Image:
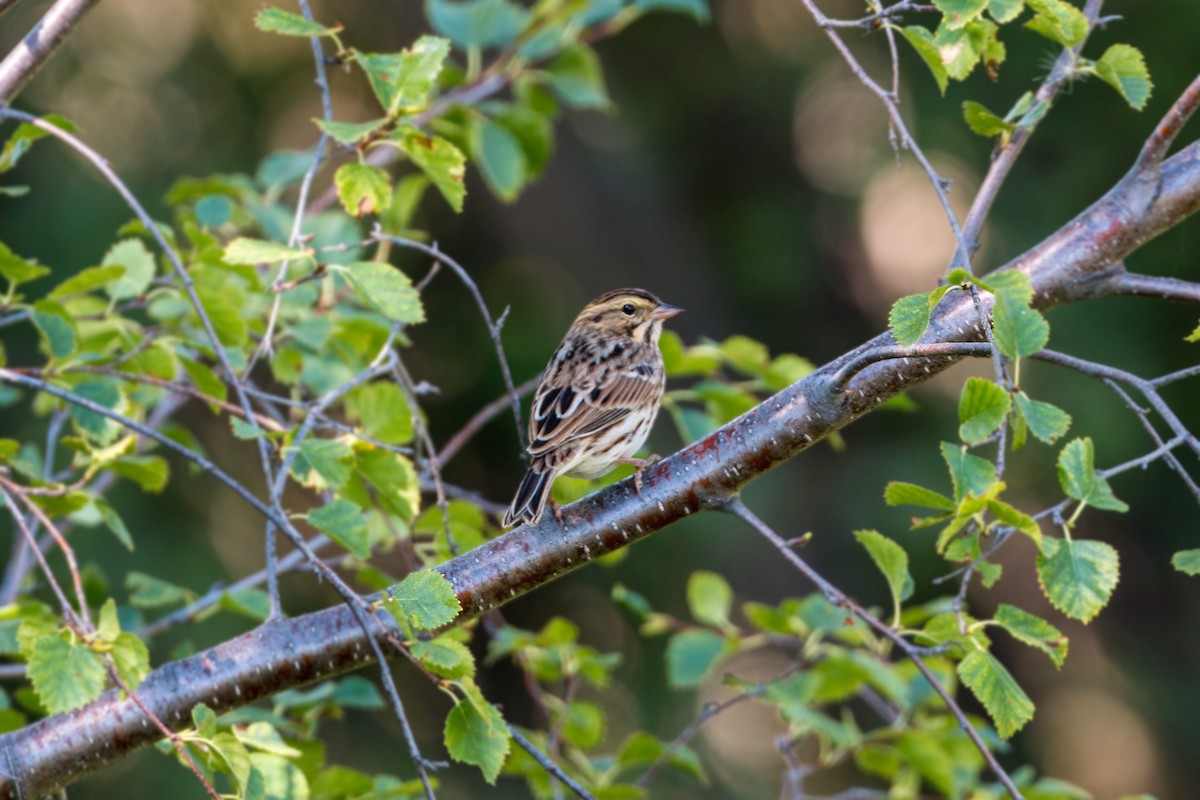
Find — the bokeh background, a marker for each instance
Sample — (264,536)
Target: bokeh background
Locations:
(746,176)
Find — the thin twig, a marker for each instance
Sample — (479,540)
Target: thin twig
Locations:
(481,418)
(33,51)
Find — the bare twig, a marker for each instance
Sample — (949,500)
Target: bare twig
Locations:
(481,418)
(548,764)
(32,52)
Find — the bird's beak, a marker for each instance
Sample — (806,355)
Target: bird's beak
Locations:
(665,311)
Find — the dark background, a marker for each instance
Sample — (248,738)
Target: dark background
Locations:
(746,176)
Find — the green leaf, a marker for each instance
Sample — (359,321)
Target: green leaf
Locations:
(970,474)
(922,41)
(478,23)
(149,472)
(892,561)
(1005,10)
(57,329)
(86,280)
(443,163)
(1017,519)
(349,133)
(690,655)
(363,189)
(985,123)
(1194,336)
(476,733)
(286,23)
(204,379)
(445,657)
(1020,331)
(103,392)
(64,675)
(344,523)
(1058,21)
(697,8)
(281,779)
(214,210)
(1046,421)
(383,411)
(909,316)
(899,493)
(1124,68)
(958,13)
(402,81)
(112,521)
(1006,702)
(329,459)
(146,591)
(395,220)
(709,598)
(385,289)
(426,600)
(17,270)
(259,251)
(132,659)
(1187,562)
(1078,575)
(225,316)
(982,408)
(394,479)
(139,269)
(1079,479)
(245,431)
(1033,631)
(928,755)
(500,158)
(577,78)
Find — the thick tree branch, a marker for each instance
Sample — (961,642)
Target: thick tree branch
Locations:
(286,653)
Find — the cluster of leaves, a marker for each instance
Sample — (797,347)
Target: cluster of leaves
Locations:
(968,36)
(543,53)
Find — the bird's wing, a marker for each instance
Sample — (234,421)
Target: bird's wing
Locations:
(564,411)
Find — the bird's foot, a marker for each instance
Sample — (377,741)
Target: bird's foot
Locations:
(639,465)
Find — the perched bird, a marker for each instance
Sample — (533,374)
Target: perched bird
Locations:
(597,398)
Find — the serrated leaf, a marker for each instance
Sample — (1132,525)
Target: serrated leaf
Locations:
(1187,562)
(287,23)
(131,658)
(898,493)
(982,408)
(425,599)
(892,561)
(17,270)
(329,459)
(1079,479)
(1005,10)
(445,657)
(958,13)
(57,329)
(709,598)
(243,250)
(1020,330)
(970,474)
(922,41)
(362,189)
(985,123)
(139,269)
(86,280)
(1078,575)
(383,411)
(343,522)
(476,733)
(442,162)
(690,655)
(1124,68)
(500,158)
(477,23)
(1033,631)
(1006,702)
(385,289)
(349,133)
(578,79)
(909,318)
(64,675)
(1046,421)
(1058,21)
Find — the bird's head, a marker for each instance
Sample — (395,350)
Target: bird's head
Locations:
(634,313)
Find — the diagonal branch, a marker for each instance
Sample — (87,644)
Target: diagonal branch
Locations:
(54,751)
(20,65)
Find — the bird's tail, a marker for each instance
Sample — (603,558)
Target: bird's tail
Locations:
(531,498)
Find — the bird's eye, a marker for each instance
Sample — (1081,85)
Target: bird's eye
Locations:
(628,309)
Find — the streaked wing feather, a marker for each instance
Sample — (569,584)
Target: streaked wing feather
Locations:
(562,414)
